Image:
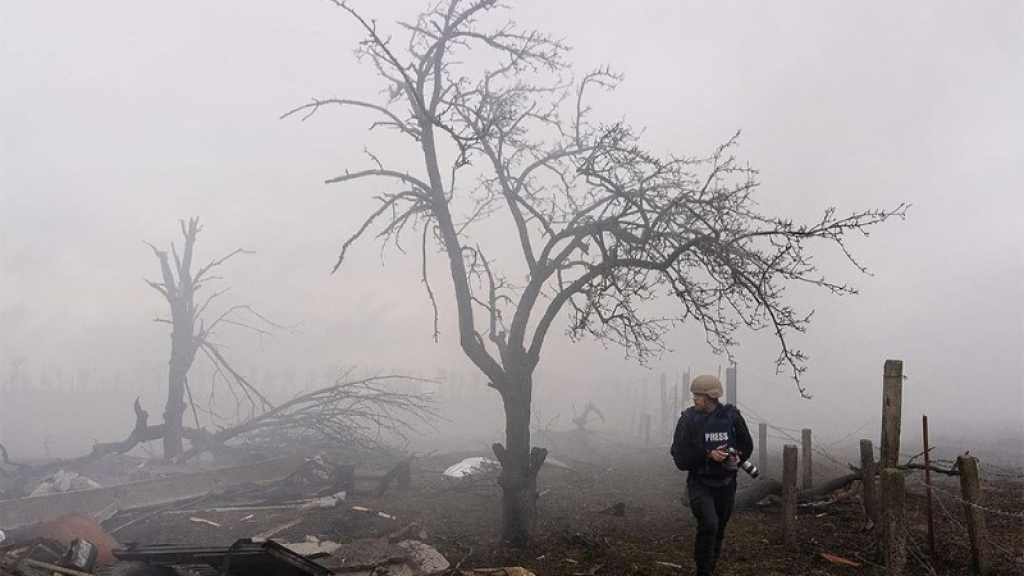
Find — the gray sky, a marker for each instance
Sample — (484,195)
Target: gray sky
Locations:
(117,118)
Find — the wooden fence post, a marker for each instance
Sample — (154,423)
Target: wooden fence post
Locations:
(976,529)
(805,438)
(789,496)
(762,446)
(404,480)
(894,532)
(867,470)
(730,385)
(928,485)
(676,407)
(892,408)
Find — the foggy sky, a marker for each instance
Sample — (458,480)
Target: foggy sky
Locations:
(119,118)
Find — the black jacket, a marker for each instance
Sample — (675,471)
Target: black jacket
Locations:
(697,433)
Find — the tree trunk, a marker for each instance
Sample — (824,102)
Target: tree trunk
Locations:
(183,351)
(174,410)
(519,466)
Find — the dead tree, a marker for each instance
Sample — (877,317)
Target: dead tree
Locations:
(180,286)
(348,417)
(580,420)
(601,225)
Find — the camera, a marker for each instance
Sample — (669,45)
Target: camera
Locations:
(734,457)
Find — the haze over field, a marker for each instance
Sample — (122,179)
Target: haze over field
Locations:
(119,118)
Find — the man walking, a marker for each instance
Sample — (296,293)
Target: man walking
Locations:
(704,434)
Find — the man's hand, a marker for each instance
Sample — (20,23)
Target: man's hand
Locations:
(719,454)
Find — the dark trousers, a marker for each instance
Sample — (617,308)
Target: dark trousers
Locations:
(712,506)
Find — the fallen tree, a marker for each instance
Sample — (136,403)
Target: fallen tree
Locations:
(347,417)
(771,487)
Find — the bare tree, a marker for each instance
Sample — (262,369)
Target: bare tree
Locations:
(180,285)
(602,226)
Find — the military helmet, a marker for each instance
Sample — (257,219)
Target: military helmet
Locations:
(708,385)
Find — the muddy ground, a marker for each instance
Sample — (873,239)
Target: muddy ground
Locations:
(653,536)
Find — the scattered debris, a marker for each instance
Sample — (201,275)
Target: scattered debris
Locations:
(326,502)
(267,534)
(668,565)
(204,521)
(81,555)
(53,567)
(474,466)
(839,560)
(243,558)
(424,559)
(312,547)
(63,481)
(507,571)
(379,556)
(317,476)
(143,494)
(65,530)
(378,513)
(411,531)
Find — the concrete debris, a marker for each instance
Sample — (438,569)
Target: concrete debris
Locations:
(373,556)
(424,559)
(81,555)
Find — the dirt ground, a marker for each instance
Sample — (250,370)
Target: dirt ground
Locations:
(653,536)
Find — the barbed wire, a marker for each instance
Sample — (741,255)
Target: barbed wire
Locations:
(918,553)
(816,446)
(958,498)
(950,517)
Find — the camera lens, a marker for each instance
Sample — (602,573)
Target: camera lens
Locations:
(750,469)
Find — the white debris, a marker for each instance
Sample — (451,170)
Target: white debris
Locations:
(63,481)
(331,501)
(474,466)
(313,546)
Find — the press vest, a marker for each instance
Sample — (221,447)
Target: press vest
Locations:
(714,430)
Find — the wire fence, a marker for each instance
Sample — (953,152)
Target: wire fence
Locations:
(1002,484)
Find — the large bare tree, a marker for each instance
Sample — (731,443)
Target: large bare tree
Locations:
(601,225)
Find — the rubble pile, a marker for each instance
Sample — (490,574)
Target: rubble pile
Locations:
(252,522)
